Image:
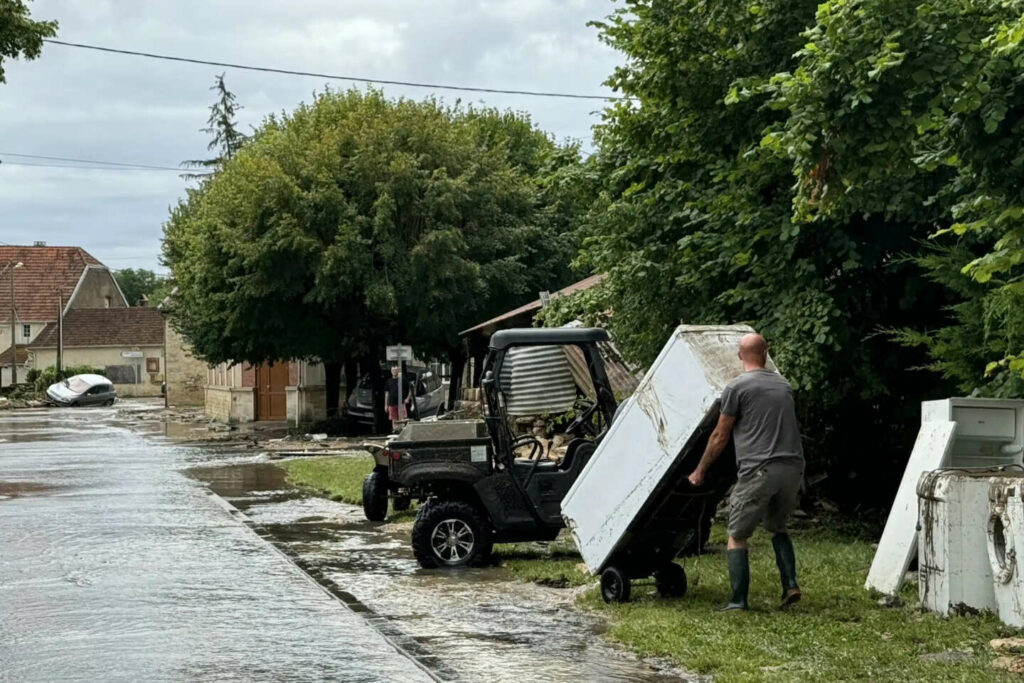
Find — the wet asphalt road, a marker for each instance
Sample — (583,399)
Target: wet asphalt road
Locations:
(115,566)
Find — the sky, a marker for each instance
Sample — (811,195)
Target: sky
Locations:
(83,104)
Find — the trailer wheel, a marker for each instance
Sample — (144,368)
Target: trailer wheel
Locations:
(615,586)
(401,503)
(450,534)
(375,496)
(671,581)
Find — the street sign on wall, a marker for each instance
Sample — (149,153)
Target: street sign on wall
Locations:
(399,352)
(131,354)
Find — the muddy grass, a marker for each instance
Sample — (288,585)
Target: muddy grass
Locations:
(838,632)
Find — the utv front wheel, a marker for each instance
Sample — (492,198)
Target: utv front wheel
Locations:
(451,534)
(375,496)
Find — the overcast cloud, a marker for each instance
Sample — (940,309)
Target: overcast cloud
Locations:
(89,105)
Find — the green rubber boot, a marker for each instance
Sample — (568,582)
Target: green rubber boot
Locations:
(785,558)
(739,577)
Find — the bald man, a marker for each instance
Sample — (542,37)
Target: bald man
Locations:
(758,412)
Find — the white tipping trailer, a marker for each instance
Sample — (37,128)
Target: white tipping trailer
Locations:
(632,508)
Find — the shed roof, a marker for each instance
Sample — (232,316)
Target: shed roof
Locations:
(22,351)
(500,322)
(84,327)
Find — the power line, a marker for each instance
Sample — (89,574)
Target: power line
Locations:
(357,79)
(126,164)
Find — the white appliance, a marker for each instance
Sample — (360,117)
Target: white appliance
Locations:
(953,559)
(648,434)
(955,432)
(1005,539)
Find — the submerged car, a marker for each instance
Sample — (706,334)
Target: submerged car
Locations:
(429,393)
(83,390)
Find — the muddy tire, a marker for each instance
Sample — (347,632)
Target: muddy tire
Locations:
(615,586)
(375,496)
(401,503)
(671,581)
(451,534)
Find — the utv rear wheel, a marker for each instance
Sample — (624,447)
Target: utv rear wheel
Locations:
(451,534)
(375,496)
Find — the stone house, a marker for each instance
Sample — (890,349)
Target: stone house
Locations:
(126,343)
(47,280)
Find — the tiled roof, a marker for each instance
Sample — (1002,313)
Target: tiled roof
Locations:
(136,326)
(586,283)
(5,357)
(43,270)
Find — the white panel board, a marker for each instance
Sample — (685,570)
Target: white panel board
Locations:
(648,434)
(899,539)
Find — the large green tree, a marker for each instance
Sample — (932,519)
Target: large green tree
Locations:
(20,35)
(357,221)
(914,112)
(699,225)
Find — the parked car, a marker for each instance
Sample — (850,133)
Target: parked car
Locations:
(83,390)
(429,392)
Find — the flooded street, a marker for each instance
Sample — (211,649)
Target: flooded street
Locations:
(116,567)
(118,563)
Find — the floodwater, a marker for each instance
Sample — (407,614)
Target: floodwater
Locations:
(114,566)
(117,563)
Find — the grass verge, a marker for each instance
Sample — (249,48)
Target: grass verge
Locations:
(339,478)
(838,632)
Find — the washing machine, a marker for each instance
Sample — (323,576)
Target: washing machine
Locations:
(954,570)
(1005,539)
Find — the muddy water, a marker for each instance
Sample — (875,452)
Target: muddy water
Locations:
(474,624)
(114,566)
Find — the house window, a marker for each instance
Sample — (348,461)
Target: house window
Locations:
(26,331)
(106,300)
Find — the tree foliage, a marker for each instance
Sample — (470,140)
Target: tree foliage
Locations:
(357,221)
(914,111)
(225,138)
(136,283)
(699,223)
(20,35)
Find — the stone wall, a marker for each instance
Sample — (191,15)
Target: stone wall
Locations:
(97,290)
(306,404)
(230,404)
(186,374)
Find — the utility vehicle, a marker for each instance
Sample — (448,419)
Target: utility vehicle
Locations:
(480,484)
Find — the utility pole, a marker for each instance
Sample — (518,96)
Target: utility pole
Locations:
(14,345)
(60,333)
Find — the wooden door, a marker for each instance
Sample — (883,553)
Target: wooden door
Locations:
(271,397)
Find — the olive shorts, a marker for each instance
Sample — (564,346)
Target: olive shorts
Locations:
(765,496)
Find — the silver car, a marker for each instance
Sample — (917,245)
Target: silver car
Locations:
(429,392)
(83,390)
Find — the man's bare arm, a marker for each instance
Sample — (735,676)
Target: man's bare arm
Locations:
(716,444)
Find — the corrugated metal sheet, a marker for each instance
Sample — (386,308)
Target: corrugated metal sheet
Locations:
(622,378)
(537,380)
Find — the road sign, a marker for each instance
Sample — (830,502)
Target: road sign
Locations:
(131,354)
(399,352)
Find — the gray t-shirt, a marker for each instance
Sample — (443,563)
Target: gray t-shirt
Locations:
(766,427)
